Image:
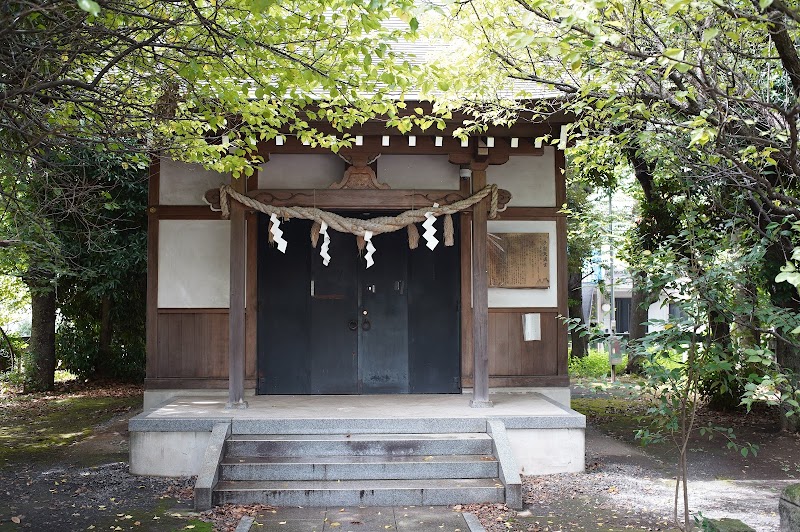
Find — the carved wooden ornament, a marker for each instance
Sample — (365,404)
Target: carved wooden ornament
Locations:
(359,176)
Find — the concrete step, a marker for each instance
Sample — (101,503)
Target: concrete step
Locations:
(240,445)
(360,492)
(358,467)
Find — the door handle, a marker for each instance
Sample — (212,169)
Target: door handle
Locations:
(352,325)
(366,325)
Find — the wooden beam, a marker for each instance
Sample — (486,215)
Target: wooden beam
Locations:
(151,316)
(357,199)
(504,381)
(251,311)
(338,199)
(465,230)
(480,293)
(530,213)
(188,383)
(561,264)
(522,128)
(185,212)
(236,318)
(398,145)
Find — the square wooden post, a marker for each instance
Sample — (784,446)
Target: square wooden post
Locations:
(236,316)
(480,293)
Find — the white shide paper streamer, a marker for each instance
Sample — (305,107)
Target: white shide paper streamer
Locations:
(326,243)
(277,234)
(370,248)
(430,231)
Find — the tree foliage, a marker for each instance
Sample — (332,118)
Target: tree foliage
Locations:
(701,98)
(82,82)
(192,69)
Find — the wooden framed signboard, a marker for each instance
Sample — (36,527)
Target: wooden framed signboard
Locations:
(519,260)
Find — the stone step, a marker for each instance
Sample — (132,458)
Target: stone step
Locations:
(240,445)
(355,425)
(360,492)
(358,467)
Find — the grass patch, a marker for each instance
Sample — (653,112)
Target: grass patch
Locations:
(32,427)
(618,415)
(63,375)
(594,365)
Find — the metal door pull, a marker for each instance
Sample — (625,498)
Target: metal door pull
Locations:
(371,288)
(398,287)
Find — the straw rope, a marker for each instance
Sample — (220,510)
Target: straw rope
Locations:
(356,226)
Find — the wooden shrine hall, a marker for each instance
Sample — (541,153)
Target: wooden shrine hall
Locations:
(419,268)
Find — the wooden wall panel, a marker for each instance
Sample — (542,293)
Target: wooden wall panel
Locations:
(511,359)
(192,345)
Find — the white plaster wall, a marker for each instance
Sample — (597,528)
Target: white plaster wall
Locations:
(424,172)
(288,170)
(530,179)
(184,183)
(194,264)
(167,454)
(527,297)
(548,451)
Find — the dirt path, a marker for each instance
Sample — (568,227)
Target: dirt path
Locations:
(85,485)
(630,487)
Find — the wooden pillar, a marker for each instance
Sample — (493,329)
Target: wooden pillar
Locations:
(236,316)
(480,293)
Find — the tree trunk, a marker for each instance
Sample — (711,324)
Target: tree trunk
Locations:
(720,331)
(40,367)
(641,299)
(579,344)
(727,397)
(103,366)
(746,323)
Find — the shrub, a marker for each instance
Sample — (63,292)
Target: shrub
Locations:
(593,365)
(77,350)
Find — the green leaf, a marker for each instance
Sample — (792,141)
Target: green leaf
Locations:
(413,24)
(90,6)
(676,54)
(674,5)
(709,34)
(261,5)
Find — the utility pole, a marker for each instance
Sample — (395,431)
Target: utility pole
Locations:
(612,338)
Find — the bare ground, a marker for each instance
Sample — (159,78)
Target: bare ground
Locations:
(630,487)
(85,483)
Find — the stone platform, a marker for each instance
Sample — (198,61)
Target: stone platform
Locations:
(544,436)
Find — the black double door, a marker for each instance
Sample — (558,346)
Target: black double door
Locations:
(348,329)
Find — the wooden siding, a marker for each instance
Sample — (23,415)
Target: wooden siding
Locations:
(514,362)
(192,350)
